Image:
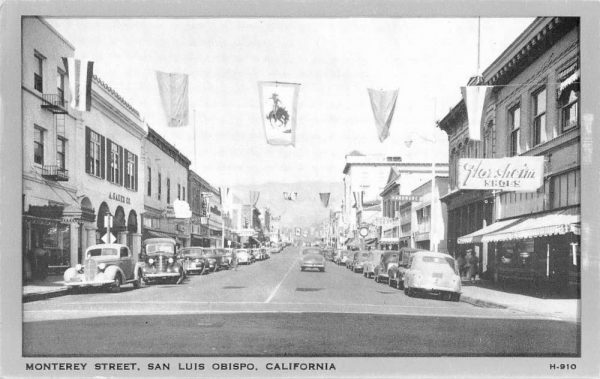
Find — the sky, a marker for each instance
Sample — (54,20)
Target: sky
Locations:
(334,59)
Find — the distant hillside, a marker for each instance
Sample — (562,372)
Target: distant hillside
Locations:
(306,210)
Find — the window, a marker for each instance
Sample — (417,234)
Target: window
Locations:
(149,184)
(489,141)
(38,73)
(60,152)
(569,109)
(514,123)
(183,194)
(130,170)
(124,252)
(114,163)
(168,191)
(159,185)
(38,145)
(95,154)
(60,86)
(178,191)
(564,189)
(539,117)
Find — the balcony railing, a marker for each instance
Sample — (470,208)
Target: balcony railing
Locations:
(56,173)
(54,103)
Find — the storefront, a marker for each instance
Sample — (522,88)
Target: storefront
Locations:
(543,250)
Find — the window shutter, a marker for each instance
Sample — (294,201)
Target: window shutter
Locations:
(108,159)
(87,149)
(126,166)
(135,172)
(121,166)
(103,157)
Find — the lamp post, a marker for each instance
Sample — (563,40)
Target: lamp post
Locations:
(432,230)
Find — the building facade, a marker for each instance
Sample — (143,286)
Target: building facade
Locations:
(207,211)
(166,180)
(74,170)
(429,217)
(533,111)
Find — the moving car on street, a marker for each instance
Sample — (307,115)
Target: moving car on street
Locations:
(359,260)
(160,261)
(106,265)
(312,257)
(432,273)
(396,272)
(387,261)
(193,259)
(372,260)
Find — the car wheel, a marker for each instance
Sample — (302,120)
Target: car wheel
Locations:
(117,284)
(406,292)
(138,282)
(399,284)
(410,292)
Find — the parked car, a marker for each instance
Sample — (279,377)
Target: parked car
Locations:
(432,273)
(228,257)
(396,272)
(193,260)
(337,256)
(264,252)
(372,260)
(160,261)
(105,265)
(222,259)
(387,261)
(359,260)
(243,256)
(254,255)
(312,257)
(346,254)
(329,253)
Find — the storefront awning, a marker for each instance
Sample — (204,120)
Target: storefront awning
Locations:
(371,242)
(559,222)
(389,240)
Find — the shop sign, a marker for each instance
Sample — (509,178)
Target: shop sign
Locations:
(507,174)
(246,233)
(119,198)
(405,198)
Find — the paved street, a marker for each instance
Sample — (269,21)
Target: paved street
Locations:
(272,308)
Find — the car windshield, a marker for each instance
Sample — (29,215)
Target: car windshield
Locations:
(191,252)
(101,252)
(160,248)
(311,251)
(438,260)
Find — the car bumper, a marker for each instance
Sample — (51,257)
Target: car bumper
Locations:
(83,283)
(436,289)
(312,265)
(162,275)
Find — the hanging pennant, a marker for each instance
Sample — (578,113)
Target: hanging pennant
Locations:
(358,199)
(383,104)
(80,73)
(290,196)
(254,195)
(225,198)
(325,198)
(278,105)
(475,98)
(173,89)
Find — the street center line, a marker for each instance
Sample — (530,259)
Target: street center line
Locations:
(279,285)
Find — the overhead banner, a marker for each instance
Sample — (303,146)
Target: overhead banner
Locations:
(278,106)
(290,196)
(173,89)
(325,198)
(475,98)
(80,73)
(254,195)
(523,174)
(383,104)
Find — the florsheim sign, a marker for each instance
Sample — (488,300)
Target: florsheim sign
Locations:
(507,174)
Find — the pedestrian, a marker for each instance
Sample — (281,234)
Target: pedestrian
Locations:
(473,263)
(460,264)
(234,260)
(41,263)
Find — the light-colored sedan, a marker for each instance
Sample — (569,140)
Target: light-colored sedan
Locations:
(243,256)
(433,273)
(312,257)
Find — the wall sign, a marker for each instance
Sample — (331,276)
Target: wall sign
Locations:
(507,174)
(120,198)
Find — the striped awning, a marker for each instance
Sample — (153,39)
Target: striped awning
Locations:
(548,224)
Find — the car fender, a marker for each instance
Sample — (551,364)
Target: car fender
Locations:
(70,273)
(112,270)
(139,266)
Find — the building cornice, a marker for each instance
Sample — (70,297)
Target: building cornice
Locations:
(160,142)
(102,104)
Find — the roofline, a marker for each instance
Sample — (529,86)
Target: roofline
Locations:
(43,21)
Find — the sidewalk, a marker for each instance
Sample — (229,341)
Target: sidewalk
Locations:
(52,286)
(566,309)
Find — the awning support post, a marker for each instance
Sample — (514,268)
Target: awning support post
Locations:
(547,260)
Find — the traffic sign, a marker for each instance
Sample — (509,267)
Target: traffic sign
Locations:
(105,238)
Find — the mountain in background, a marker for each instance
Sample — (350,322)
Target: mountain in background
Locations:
(307,210)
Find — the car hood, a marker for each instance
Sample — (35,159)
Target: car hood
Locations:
(104,259)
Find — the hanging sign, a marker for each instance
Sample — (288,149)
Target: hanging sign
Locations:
(525,174)
(278,104)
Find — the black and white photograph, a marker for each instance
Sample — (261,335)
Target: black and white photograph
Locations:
(221,191)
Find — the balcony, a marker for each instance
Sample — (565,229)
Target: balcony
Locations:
(54,103)
(55,173)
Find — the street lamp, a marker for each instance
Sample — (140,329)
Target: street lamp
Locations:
(432,234)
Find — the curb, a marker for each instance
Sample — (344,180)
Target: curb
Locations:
(481,303)
(35,296)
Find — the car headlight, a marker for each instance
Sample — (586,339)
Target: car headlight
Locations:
(101,266)
(171,260)
(150,261)
(78,267)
